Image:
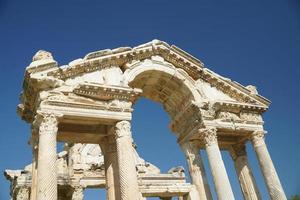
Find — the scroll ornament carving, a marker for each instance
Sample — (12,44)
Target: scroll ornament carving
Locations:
(48,123)
(122,129)
(207,111)
(209,136)
(41,55)
(257,137)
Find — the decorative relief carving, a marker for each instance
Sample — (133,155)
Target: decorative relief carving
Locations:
(41,54)
(251,116)
(228,116)
(209,135)
(257,137)
(77,193)
(23,193)
(207,111)
(238,150)
(48,124)
(122,129)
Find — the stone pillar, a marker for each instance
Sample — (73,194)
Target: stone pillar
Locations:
(222,184)
(196,170)
(127,173)
(46,170)
(109,149)
(34,145)
(77,193)
(268,170)
(244,173)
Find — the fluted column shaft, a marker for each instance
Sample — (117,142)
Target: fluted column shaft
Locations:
(221,181)
(46,170)
(244,173)
(127,173)
(77,193)
(34,145)
(196,170)
(111,168)
(271,178)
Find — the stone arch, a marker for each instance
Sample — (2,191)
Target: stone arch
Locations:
(164,83)
(90,101)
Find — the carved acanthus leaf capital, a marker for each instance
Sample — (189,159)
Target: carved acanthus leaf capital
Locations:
(209,135)
(238,150)
(46,122)
(122,129)
(258,135)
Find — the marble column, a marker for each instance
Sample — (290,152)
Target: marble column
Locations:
(244,173)
(196,170)
(268,170)
(46,170)
(192,195)
(128,182)
(221,181)
(77,193)
(109,150)
(34,146)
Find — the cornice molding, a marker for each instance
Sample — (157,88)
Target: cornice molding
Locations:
(44,74)
(105,92)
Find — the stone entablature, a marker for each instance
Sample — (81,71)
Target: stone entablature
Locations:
(90,100)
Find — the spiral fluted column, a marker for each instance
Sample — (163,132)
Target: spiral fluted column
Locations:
(111,167)
(46,170)
(196,170)
(244,173)
(127,173)
(34,146)
(268,170)
(221,181)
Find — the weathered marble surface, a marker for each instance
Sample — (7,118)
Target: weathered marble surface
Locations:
(89,102)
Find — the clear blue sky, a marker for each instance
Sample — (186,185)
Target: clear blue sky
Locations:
(252,42)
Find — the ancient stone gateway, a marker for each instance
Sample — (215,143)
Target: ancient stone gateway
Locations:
(87,104)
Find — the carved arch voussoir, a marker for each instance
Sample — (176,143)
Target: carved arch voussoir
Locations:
(138,68)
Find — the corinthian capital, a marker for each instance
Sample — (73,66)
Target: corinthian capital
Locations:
(209,135)
(46,122)
(238,150)
(122,129)
(78,193)
(257,137)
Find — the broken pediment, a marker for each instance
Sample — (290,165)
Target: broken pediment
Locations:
(165,73)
